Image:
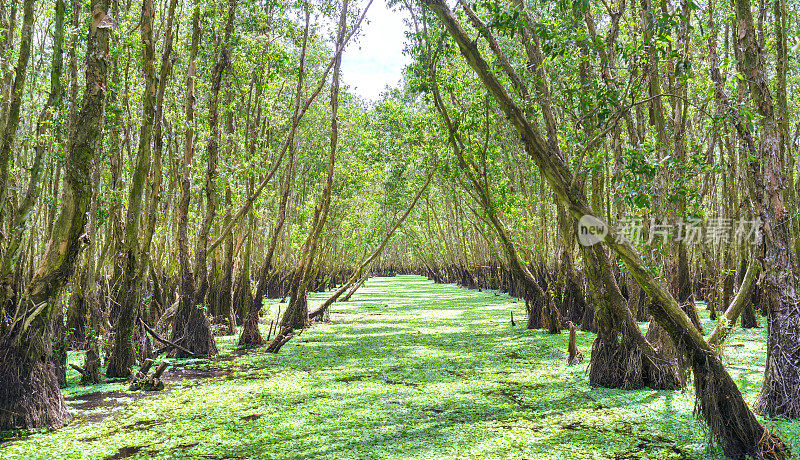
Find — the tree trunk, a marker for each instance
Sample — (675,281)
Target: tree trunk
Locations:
(251,335)
(185,304)
(11,251)
(782,374)
(296,314)
(622,357)
(132,254)
(196,335)
(88,289)
(9,33)
(736,306)
(29,394)
(11,120)
(225,312)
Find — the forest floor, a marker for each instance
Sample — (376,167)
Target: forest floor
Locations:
(406,369)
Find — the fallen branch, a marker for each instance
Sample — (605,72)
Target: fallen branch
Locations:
(160,369)
(152,382)
(148,363)
(167,342)
(285,335)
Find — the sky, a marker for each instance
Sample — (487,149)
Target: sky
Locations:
(376,59)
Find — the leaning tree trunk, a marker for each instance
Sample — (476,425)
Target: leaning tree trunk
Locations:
(29,394)
(251,335)
(534,295)
(296,314)
(736,307)
(299,114)
(621,356)
(360,275)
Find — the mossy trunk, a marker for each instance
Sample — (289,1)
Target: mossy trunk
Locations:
(621,356)
(29,393)
(225,293)
(133,256)
(766,186)
(251,335)
(76,317)
(187,288)
(197,335)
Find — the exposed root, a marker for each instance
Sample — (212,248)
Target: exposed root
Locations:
(251,335)
(29,393)
(616,364)
(145,382)
(771,447)
(730,421)
(197,339)
(669,371)
(623,364)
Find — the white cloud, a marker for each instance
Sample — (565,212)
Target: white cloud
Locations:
(376,59)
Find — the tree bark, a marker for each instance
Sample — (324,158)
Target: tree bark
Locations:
(195,333)
(11,120)
(29,394)
(132,253)
(765,169)
(185,305)
(8,128)
(11,252)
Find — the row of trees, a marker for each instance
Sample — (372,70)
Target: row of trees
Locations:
(633,96)
(182,187)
